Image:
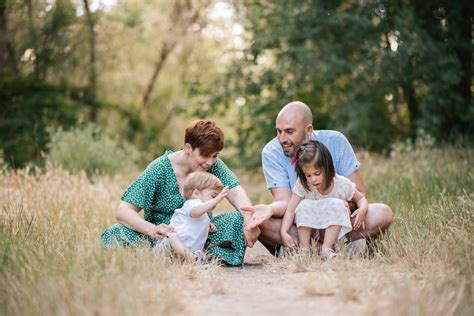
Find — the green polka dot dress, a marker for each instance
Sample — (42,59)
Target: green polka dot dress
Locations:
(156,191)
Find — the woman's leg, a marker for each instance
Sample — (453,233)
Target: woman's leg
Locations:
(120,236)
(229,234)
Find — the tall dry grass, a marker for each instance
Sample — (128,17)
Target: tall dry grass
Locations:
(52,261)
(424,264)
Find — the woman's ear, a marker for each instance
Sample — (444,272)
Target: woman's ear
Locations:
(187,148)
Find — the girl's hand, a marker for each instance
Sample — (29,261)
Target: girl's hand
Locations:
(287,240)
(222,194)
(160,231)
(359,215)
(212,228)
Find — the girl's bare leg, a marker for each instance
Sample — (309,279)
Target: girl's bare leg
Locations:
(304,235)
(330,238)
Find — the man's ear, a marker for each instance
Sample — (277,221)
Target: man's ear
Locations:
(309,130)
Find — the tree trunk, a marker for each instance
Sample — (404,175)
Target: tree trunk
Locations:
(7,54)
(413,107)
(167,48)
(33,36)
(178,18)
(461,33)
(92,63)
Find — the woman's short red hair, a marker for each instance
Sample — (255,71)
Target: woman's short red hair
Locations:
(205,135)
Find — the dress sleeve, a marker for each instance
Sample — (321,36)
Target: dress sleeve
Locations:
(299,190)
(144,189)
(347,188)
(227,177)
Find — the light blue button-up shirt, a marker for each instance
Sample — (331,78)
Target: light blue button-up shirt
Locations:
(280,173)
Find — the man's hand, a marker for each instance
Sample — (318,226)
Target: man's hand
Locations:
(260,213)
(251,236)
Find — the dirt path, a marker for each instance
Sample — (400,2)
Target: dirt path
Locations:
(263,288)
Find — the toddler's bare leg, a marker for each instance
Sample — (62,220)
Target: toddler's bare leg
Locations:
(177,245)
(304,235)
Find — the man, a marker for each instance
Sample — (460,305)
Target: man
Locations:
(294,125)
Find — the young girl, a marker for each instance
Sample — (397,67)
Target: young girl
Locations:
(318,200)
(191,223)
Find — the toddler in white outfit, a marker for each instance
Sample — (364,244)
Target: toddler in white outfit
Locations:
(203,191)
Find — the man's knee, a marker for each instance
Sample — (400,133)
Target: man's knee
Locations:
(270,226)
(385,215)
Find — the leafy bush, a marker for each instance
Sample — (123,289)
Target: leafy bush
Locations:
(27,108)
(90,149)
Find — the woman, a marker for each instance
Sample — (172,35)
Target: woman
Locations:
(159,191)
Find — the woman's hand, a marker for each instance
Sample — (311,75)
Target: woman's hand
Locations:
(287,240)
(160,231)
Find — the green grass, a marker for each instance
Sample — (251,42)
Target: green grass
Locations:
(52,261)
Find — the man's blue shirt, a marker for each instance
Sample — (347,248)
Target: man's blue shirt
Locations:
(280,173)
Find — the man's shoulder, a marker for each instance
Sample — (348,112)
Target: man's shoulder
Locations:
(328,135)
(272,147)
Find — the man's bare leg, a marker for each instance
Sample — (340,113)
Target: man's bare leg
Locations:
(270,236)
(379,217)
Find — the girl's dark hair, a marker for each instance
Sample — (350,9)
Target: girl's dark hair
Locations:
(314,153)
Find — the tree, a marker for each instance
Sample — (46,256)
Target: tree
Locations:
(375,70)
(7,54)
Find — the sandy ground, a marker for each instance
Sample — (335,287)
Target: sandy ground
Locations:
(262,287)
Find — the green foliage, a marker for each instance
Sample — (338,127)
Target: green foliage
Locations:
(89,149)
(375,70)
(27,108)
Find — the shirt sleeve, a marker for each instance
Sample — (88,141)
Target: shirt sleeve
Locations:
(299,190)
(188,205)
(346,163)
(143,190)
(275,174)
(227,177)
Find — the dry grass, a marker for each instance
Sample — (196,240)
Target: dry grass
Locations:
(52,261)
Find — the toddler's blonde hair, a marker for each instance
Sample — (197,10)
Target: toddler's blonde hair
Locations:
(201,180)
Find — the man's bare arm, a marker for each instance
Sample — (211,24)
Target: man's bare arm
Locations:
(281,198)
(277,208)
(356,177)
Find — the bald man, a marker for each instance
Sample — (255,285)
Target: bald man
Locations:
(294,126)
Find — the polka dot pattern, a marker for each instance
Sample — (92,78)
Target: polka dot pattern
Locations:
(156,191)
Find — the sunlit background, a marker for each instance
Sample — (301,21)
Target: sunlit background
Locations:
(138,72)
